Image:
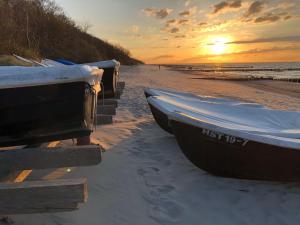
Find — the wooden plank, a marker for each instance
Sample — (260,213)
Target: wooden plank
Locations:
(107,110)
(110,101)
(104,119)
(57,173)
(37,209)
(20,176)
(42,196)
(46,158)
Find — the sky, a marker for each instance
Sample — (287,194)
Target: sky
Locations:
(195,31)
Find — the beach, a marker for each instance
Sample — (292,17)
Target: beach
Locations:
(145,179)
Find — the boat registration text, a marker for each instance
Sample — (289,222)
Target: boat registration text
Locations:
(224,137)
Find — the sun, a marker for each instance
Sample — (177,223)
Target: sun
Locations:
(218,46)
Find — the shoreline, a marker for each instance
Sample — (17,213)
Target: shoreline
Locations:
(284,87)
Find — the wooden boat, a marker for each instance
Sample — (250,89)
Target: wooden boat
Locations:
(232,138)
(41,104)
(161,109)
(109,79)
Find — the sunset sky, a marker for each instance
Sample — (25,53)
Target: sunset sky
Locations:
(195,31)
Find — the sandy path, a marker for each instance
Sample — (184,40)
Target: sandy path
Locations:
(145,179)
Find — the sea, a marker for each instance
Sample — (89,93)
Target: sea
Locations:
(272,71)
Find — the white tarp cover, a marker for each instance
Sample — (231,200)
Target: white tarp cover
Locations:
(49,62)
(17,76)
(192,97)
(100,64)
(232,117)
(106,64)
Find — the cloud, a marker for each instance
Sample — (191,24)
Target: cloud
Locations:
(251,51)
(287,17)
(226,5)
(163,57)
(189,12)
(169,22)
(267,40)
(183,21)
(255,8)
(263,50)
(158,13)
(176,23)
(267,18)
(185,13)
(286,4)
(174,30)
(180,36)
(272,17)
(202,24)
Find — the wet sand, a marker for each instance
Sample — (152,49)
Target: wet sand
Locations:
(280,87)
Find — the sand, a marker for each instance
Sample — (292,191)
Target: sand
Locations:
(145,179)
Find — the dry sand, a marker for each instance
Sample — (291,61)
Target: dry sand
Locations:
(145,179)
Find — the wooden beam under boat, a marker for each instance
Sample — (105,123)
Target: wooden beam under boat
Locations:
(42,196)
(104,119)
(106,110)
(121,84)
(46,158)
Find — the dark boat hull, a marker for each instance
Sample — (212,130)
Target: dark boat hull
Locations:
(228,156)
(109,81)
(161,119)
(30,115)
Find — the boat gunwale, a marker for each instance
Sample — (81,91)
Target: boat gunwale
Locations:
(290,143)
(93,79)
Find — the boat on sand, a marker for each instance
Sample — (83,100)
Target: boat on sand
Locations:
(41,104)
(235,139)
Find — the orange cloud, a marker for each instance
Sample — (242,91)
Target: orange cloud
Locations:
(158,13)
(226,4)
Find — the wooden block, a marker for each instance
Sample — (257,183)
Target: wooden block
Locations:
(111,102)
(106,110)
(118,94)
(121,84)
(121,91)
(42,196)
(46,158)
(104,119)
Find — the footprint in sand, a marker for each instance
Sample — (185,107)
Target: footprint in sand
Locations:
(166,212)
(166,189)
(158,196)
(141,172)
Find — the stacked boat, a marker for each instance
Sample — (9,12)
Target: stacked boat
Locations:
(231,138)
(42,104)
(110,76)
